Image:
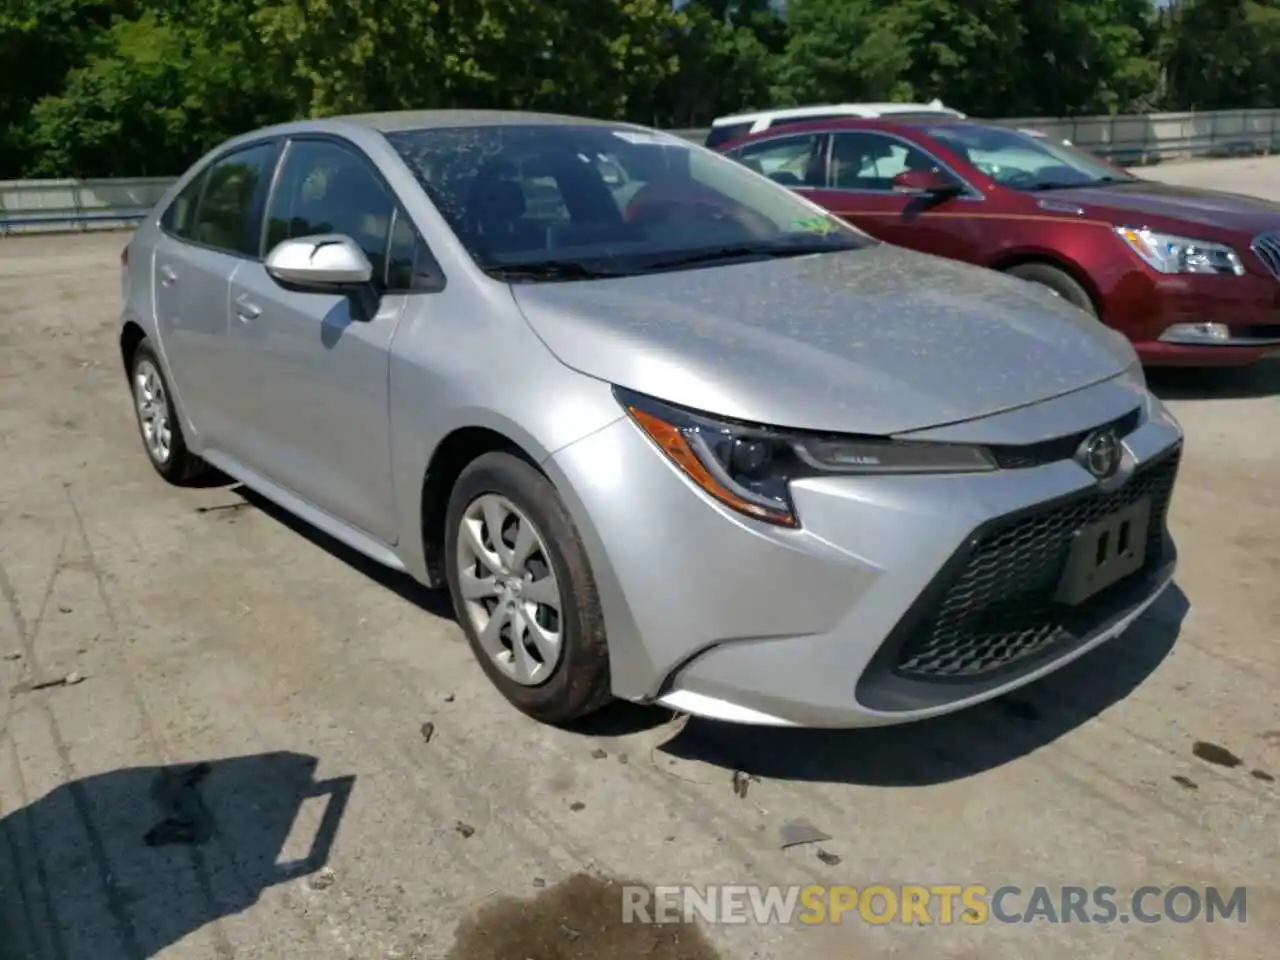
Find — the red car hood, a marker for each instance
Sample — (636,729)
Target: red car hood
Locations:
(1134,204)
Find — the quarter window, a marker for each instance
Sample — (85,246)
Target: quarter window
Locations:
(179,217)
(225,218)
(410,265)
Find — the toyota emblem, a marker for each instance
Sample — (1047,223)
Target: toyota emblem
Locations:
(1100,454)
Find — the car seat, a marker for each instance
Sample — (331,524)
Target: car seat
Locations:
(495,211)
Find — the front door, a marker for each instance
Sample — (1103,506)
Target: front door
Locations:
(859,189)
(312,367)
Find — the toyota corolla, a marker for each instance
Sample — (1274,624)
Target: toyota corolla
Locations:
(664,429)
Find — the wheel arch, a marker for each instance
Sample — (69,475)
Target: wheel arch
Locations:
(450,457)
(1019,258)
(131,335)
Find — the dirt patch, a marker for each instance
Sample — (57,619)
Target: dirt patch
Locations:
(578,919)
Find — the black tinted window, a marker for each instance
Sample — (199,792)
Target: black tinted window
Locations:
(224,219)
(812,118)
(179,216)
(410,266)
(725,133)
(328,188)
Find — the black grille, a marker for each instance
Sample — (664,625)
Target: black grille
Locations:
(1267,247)
(999,608)
(1059,448)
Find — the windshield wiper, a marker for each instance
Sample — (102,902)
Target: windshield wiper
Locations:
(1044,185)
(551,270)
(739,252)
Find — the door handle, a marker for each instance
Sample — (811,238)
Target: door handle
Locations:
(167,275)
(246,309)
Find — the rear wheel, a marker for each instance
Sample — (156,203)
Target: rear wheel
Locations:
(523,591)
(158,421)
(1058,281)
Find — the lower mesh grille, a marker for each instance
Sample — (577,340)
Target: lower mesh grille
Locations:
(998,608)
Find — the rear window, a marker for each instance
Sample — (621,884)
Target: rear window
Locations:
(812,118)
(725,133)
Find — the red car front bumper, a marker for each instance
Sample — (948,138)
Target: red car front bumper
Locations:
(1197,320)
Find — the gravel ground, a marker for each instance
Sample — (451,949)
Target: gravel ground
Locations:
(357,789)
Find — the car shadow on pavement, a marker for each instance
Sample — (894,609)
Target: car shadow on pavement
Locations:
(1216,383)
(434,602)
(121,865)
(955,746)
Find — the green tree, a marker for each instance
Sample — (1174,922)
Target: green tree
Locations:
(727,54)
(1095,57)
(1223,54)
(959,51)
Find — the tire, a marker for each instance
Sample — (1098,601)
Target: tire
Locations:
(1058,281)
(577,682)
(173,461)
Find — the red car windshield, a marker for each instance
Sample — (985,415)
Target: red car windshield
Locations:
(1023,162)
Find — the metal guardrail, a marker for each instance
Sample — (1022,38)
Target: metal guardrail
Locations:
(28,206)
(41,206)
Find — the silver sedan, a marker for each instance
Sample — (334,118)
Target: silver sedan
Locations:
(665,430)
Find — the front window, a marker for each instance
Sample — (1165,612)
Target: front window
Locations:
(1014,159)
(576,201)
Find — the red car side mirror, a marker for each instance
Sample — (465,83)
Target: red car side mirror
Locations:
(926,182)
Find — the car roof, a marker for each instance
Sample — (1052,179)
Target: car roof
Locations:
(394,121)
(868,110)
(887,124)
(405,120)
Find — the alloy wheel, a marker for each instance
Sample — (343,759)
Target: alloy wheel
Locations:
(153,411)
(509,589)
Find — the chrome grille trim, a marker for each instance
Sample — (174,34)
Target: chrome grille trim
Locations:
(1266,246)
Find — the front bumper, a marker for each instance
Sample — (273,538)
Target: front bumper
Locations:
(711,613)
(1201,320)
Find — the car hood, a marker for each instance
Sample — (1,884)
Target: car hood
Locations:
(874,341)
(1222,212)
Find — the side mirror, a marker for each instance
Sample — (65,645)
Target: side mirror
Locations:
(929,182)
(328,260)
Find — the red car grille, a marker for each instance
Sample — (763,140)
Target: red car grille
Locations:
(1267,247)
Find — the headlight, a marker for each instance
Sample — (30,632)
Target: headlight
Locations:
(1172,254)
(750,468)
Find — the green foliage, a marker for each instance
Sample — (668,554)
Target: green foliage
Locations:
(116,87)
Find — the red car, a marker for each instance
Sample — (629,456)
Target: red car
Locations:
(1191,276)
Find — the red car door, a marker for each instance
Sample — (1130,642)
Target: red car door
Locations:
(859,188)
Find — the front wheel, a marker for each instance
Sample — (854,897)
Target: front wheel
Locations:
(523,590)
(1059,282)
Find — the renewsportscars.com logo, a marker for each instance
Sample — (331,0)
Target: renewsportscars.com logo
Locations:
(942,904)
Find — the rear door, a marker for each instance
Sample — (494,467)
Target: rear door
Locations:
(859,189)
(312,367)
(204,235)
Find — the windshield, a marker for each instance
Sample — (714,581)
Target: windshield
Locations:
(594,200)
(1015,159)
